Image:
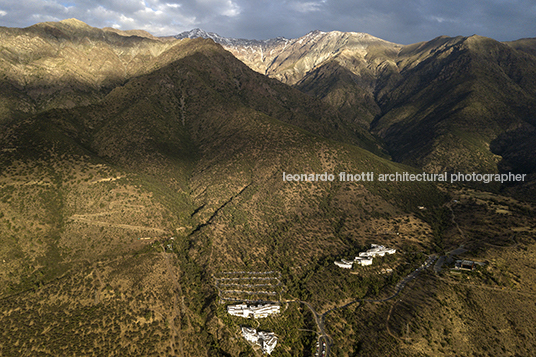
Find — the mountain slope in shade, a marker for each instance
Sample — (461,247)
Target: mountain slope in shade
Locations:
(66,64)
(342,68)
(342,88)
(454,97)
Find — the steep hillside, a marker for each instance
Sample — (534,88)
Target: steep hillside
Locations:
(447,104)
(455,96)
(345,90)
(118,213)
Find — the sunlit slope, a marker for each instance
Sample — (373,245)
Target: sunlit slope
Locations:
(170,153)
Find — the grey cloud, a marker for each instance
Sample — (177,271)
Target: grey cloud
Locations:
(403,22)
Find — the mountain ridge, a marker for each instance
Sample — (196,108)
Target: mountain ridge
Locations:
(142,191)
(262,55)
(431,102)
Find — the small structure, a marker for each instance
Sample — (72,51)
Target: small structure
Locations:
(266,340)
(465,265)
(259,311)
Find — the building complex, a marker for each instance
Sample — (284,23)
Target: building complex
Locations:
(365,258)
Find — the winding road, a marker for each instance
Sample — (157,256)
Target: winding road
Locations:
(324,340)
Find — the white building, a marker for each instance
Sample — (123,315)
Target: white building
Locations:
(239,310)
(250,334)
(344,265)
(260,311)
(266,340)
(377,251)
(363,260)
(265,310)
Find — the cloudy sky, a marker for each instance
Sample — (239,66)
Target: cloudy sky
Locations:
(403,22)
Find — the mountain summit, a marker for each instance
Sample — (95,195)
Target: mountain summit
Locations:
(225,41)
(288,60)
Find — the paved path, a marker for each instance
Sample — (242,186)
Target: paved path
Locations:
(324,340)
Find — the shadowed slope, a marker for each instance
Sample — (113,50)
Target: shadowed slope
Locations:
(456,96)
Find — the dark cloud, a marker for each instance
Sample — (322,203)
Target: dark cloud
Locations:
(403,22)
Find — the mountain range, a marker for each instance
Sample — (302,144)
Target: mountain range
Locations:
(449,104)
(137,173)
